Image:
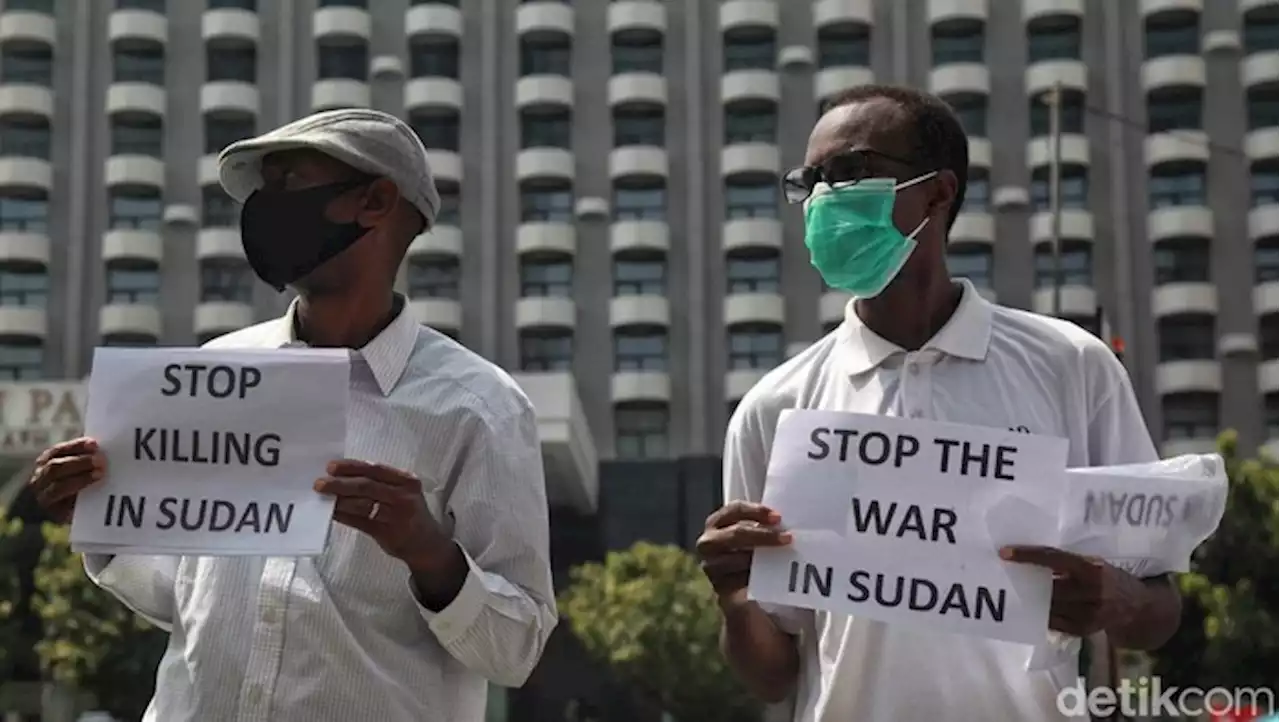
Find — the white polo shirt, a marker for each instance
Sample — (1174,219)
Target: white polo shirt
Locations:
(989,366)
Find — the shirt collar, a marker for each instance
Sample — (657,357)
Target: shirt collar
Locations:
(966,334)
(387,354)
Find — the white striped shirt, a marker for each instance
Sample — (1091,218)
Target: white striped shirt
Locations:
(341,636)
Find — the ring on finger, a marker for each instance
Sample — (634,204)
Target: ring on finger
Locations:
(373,510)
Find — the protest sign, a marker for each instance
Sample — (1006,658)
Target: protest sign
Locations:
(901,521)
(212,452)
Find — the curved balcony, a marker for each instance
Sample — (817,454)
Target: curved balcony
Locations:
(1077,301)
(341,22)
(1176,377)
(1039,78)
(26,173)
(24,322)
(639,310)
(433,20)
(433,93)
(131,26)
(544,19)
(1172,299)
(754,308)
(638,160)
(638,89)
(1248,6)
(544,163)
(34,100)
(546,237)
(134,170)
(1074,224)
(637,15)
(1074,150)
(207,170)
(1262,144)
(129,319)
(446,165)
(545,312)
(945,10)
(442,240)
(828,82)
(739,85)
(135,99)
(1266,298)
(1181,145)
(960,79)
(333,93)
(639,235)
(971,227)
(832,305)
(1260,69)
(229,97)
(24,247)
(1264,222)
(843,12)
(739,381)
(1173,71)
(1179,222)
(1036,9)
(1179,447)
(738,14)
(534,90)
(443,314)
(797,348)
(979,153)
(130,244)
(1160,7)
(750,158)
(741,233)
(219,317)
(218,243)
(639,386)
(1269,377)
(23,29)
(230,26)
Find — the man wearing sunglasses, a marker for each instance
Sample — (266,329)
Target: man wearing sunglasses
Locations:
(883,181)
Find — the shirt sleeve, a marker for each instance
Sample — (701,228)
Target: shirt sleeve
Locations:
(746,461)
(498,624)
(144,584)
(1117,432)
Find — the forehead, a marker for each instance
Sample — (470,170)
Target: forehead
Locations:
(302,160)
(873,124)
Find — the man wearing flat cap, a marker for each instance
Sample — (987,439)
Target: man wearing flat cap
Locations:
(436,578)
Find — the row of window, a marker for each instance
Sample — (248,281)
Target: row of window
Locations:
(130,282)
(757,347)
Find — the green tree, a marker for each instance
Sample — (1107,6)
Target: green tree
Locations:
(650,613)
(1228,631)
(10,590)
(91,640)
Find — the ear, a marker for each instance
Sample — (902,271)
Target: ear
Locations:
(944,192)
(381,199)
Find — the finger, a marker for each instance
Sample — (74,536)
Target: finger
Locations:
(378,472)
(74,447)
(65,467)
(742,537)
(1048,557)
(736,511)
(357,486)
(727,564)
(52,492)
(356,506)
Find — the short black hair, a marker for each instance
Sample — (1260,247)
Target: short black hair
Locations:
(938,140)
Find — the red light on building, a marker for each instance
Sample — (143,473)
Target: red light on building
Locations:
(1117,345)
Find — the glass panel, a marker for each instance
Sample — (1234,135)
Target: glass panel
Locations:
(21,362)
(640,350)
(757,273)
(977,191)
(30,66)
(226,280)
(1181,261)
(848,46)
(24,138)
(1054,38)
(749,54)
(751,200)
(133,285)
(139,65)
(437,132)
(1182,38)
(434,277)
(634,204)
(639,277)
(1265,259)
(1190,416)
(449,204)
(137,137)
(544,58)
(640,56)
(755,347)
(218,210)
(641,432)
(240,64)
(647,127)
(30,214)
(756,126)
(957,43)
(337,62)
(1075,264)
(24,287)
(1185,338)
(547,204)
(1170,111)
(543,351)
(975,264)
(141,211)
(546,278)
(433,59)
(546,130)
(1176,188)
(222,132)
(1263,186)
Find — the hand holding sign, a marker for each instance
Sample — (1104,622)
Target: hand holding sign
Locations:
(732,534)
(1089,595)
(62,471)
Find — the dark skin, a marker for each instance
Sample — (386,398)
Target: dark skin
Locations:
(345,303)
(1089,595)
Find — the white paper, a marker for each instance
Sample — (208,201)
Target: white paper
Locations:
(1007,493)
(212,448)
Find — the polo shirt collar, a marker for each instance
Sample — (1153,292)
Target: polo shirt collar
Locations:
(966,334)
(387,354)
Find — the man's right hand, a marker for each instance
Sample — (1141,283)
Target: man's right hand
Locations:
(62,471)
(731,536)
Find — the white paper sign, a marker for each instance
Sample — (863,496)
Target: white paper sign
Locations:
(212,452)
(901,521)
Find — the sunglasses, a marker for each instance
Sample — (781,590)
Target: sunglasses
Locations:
(848,168)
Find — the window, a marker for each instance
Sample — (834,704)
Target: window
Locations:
(449,205)
(1073,187)
(640,349)
(641,431)
(1075,264)
(1176,184)
(228,280)
(1265,258)
(34,6)
(135,208)
(1174,109)
(971,109)
(21,361)
(545,57)
(639,126)
(450,3)
(639,275)
(1190,416)
(1267,341)
(133,283)
(749,52)
(233,4)
(1263,182)
(971,261)
(26,212)
(750,199)
(238,64)
(437,131)
(142,64)
(1271,415)
(637,52)
(1173,34)
(26,137)
(546,350)
(24,285)
(1186,337)
(1071,117)
(977,192)
(1261,109)
(755,346)
(546,276)
(134,135)
(633,201)
(841,46)
(959,41)
(437,58)
(342,61)
(434,276)
(546,129)
(31,66)
(217,209)
(1055,37)
(1181,260)
(750,124)
(1260,31)
(220,131)
(130,340)
(553,204)
(155,6)
(343,3)
(755,271)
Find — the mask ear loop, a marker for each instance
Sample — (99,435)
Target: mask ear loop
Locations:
(918,179)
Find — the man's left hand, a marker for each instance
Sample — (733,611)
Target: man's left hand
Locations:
(1089,594)
(388,505)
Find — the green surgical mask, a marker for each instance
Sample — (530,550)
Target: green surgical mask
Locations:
(851,236)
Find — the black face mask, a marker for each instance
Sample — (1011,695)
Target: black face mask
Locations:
(286,235)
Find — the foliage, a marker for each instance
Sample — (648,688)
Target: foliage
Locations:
(90,639)
(10,590)
(651,614)
(1228,631)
